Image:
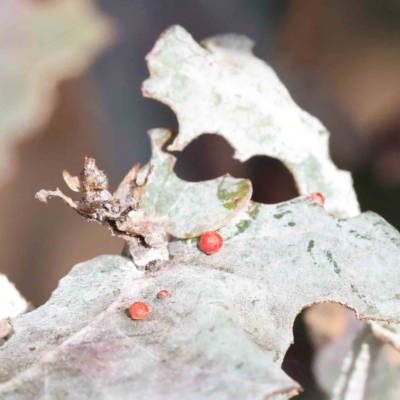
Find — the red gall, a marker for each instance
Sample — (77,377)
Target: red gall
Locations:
(138,310)
(211,242)
(162,294)
(317,198)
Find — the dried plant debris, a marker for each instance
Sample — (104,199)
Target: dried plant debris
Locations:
(222,88)
(146,215)
(41,43)
(191,346)
(11,305)
(98,204)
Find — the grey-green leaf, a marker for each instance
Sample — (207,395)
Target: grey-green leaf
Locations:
(83,345)
(281,258)
(189,209)
(224,89)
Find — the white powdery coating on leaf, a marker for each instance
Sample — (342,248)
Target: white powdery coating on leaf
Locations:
(224,89)
(188,209)
(227,323)
(282,258)
(11,302)
(85,345)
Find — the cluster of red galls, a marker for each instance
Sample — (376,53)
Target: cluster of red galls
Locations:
(139,310)
(209,243)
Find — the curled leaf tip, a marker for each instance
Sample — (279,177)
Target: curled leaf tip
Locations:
(73,182)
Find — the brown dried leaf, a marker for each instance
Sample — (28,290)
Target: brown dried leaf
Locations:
(97,203)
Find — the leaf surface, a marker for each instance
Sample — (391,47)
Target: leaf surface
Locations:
(190,208)
(227,324)
(224,89)
(82,344)
(282,258)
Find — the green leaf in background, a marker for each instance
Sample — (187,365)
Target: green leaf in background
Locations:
(42,43)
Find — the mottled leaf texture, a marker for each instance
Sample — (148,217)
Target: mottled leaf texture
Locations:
(222,88)
(190,209)
(146,213)
(227,324)
(11,305)
(82,344)
(292,255)
(363,369)
(41,43)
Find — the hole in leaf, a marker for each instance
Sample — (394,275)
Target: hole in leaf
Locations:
(318,331)
(211,156)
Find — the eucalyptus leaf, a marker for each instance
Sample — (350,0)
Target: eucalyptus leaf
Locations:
(389,333)
(11,301)
(227,324)
(189,208)
(282,258)
(83,345)
(224,89)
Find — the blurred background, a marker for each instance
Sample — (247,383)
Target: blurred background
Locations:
(339,59)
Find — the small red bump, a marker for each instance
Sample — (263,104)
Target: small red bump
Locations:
(211,242)
(138,310)
(162,294)
(317,198)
